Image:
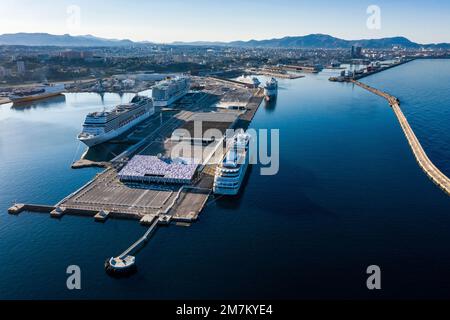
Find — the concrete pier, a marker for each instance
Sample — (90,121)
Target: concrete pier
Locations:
(276,73)
(106,196)
(252,107)
(148,219)
(83,163)
(422,159)
(140,241)
(20,207)
(102,216)
(359,77)
(4,101)
(234,82)
(58,212)
(16,208)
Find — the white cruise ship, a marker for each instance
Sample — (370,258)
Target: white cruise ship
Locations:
(170,90)
(254,82)
(231,172)
(271,89)
(41,92)
(106,125)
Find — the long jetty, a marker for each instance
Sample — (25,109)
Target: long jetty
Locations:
(141,240)
(424,162)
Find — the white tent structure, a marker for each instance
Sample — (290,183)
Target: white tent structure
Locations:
(148,169)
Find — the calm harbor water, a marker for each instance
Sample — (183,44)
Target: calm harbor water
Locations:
(349,194)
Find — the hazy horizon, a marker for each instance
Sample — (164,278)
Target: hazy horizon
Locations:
(201,20)
(218,41)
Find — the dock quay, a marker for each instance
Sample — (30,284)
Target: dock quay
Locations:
(21,207)
(424,162)
(105,192)
(58,212)
(84,163)
(239,83)
(4,100)
(361,76)
(365,73)
(102,216)
(108,196)
(148,219)
(125,263)
(276,73)
(141,240)
(252,108)
(16,208)
(301,69)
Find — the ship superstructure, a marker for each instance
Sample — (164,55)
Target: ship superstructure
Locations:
(231,172)
(36,93)
(271,89)
(105,125)
(168,91)
(252,81)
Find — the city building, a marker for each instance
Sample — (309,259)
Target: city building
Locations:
(72,54)
(356,52)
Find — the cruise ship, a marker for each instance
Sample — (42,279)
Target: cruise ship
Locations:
(106,125)
(271,89)
(36,93)
(231,172)
(170,90)
(254,82)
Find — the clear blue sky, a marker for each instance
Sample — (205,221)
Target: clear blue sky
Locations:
(227,20)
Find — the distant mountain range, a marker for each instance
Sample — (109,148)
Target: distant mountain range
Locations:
(323,41)
(45,39)
(312,41)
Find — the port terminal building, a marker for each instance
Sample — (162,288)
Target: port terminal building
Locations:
(152,169)
(195,129)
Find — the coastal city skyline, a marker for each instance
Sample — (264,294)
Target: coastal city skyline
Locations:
(160,21)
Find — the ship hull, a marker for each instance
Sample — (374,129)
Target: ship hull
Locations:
(231,191)
(46,91)
(270,94)
(34,98)
(96,140)
(225,191)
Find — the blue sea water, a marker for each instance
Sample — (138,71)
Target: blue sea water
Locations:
(423,89)
(349,194)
